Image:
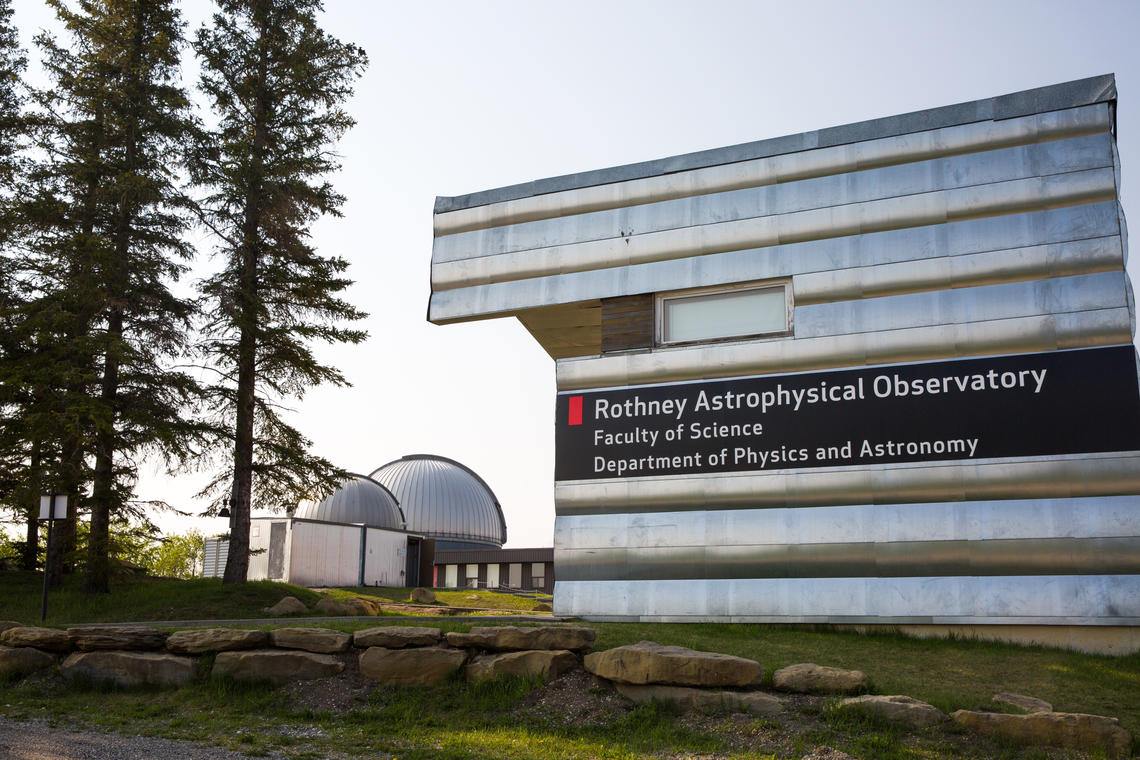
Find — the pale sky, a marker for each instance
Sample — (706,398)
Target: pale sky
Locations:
(464,96)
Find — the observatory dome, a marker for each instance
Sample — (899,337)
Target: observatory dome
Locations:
(359,499)
(444,500)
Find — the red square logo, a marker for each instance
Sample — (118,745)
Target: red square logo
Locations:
(575,410)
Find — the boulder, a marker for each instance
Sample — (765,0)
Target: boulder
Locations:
(16,662)
(703,700)
(6,624)
(421,666)
(51,639)
(508,637)
(423,596)
(809,678)
(202,640)
(536,663)
(319,640)
(396,637)
(290,605)
(897,710)
(116,637)
(1020,701)
(331,607)
(1068,730)
(275,665)
(361,606)
(650,662)
(130,668)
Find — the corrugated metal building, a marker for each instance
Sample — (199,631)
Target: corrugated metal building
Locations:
(918,330)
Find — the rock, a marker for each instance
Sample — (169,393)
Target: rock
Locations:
(275,665)
(809,678)
(827,753)
(16,662)
(130,668)
(1067,730)
(542,607)
(331,607)
(411,667)
(320,640)
(116,637)
(396,637)
(509,637)
(423,596)
(290,605)
(202,640)
(898,710)
(703,700)
(1029,704)
(361,606)
(6,624)
(536,663)
(51,639)
(650,662)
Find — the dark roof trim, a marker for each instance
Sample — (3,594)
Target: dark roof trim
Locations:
(483,556)
(1080,92)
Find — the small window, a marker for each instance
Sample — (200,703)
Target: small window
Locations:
(722,313)
(538,575)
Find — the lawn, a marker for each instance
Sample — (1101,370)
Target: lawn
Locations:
(142,599)
(459,720)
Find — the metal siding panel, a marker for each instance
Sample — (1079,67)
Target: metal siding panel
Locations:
(936,207)
(1069,155)
(1017,600)
(1079,475)
(1004,336)
(801,164)
(1007,233)
(1105,290)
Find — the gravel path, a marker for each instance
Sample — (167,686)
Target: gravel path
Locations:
(36,740)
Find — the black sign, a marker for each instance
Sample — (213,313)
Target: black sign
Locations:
(1054,403)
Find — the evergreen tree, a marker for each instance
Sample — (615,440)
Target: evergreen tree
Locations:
(16,457)
(276,82)
(109,219)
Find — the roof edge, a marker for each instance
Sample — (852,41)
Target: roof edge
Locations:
(1055,97)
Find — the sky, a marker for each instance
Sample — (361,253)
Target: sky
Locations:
(468,96)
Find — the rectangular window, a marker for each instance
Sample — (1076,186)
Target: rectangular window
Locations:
(514,575)
(492,576)
(538,575)
(451,576)
(472,575)
(724,313)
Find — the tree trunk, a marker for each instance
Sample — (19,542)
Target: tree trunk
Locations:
(32,541)
(237,562)
(98,577)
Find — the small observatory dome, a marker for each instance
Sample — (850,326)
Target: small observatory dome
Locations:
(444,500)
(359,499)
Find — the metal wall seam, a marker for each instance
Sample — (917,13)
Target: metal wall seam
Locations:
(1072,225)
(1025,600)
(964,480)
(936,207)
(956,172)
(1087,517)
(1083,329)
(787,167)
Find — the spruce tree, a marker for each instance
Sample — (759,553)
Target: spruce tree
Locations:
(110,219)
(277,83)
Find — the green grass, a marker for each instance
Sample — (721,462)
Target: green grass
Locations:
(489,600)
(140,599)
(458,720)
(144,599)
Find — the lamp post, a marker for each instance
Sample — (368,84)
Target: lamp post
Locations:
(53,507)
